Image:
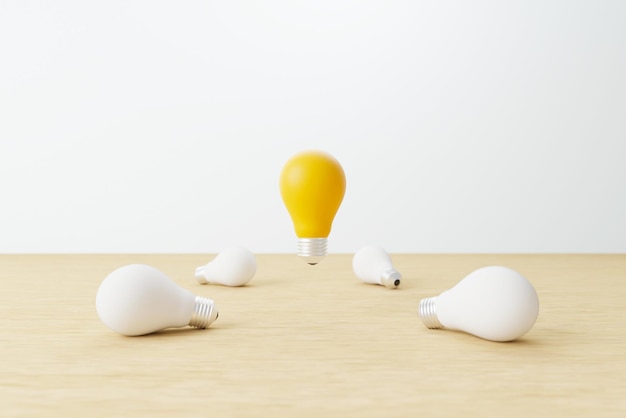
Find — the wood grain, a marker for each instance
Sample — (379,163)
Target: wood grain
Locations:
(312,341)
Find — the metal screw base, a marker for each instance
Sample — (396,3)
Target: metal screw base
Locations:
(312,250)
(204,313)
(428,313)
(391,278)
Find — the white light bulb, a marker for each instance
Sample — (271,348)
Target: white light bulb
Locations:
(373,265)
(495,303)
(138,299)
(234,266)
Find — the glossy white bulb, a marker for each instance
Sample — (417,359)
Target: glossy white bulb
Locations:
(234,266)
(373,265)
(495,303)
(138,299)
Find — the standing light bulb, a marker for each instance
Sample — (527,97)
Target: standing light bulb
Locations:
(234,266)
(373,265)
(138,299)
(312,185)
(495,303)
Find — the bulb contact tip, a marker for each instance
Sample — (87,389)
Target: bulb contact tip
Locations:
(312,250)
(204,313)
(428,313)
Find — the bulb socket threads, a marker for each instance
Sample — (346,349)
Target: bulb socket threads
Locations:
(428,313)
(391,278)
(312,250)
(204,313)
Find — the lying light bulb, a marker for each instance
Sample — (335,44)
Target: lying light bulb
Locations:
(312,185)
(138,299)
(234,266)
(373,265)
(495,303)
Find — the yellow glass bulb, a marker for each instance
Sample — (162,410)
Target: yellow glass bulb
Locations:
(312,185)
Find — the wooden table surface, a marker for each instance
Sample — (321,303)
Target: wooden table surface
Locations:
(303,341)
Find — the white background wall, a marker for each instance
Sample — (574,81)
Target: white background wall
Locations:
(467,126)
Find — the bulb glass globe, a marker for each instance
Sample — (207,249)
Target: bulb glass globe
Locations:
(138,299)
(234,266)
(495,303)
(373,265)
(312,185)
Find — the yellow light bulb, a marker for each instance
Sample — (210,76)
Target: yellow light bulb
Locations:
(312,185)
